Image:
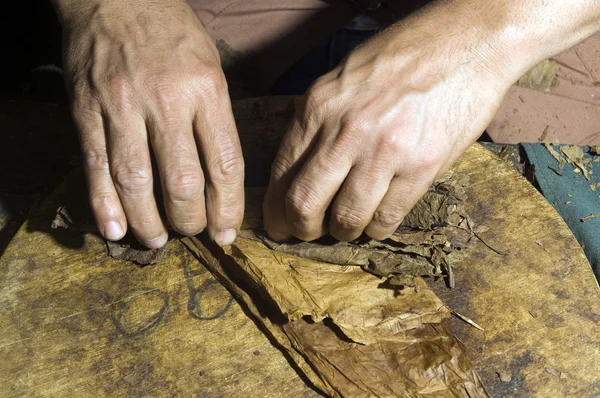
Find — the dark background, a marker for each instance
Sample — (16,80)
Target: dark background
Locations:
(30,37)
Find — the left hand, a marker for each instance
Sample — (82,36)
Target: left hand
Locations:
(374,133)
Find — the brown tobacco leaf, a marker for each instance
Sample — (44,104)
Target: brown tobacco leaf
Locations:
(427,244)
(542,77)
(128,250)
(375,258)
(425,361)
(137,255)
(301,287)
(441,205)
(556,155)
(62,219)
(574,155)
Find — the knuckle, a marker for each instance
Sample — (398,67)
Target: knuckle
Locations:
(183,184)
(429,162)
(316,99)
(279,168)
(95,160)
(119,88)
(101,201)
(388,218)
(229,168)
(212,81)
(353,130)
(166,95)
(131,178)
(355,123)
(391,143)
(302,200)
(349,218)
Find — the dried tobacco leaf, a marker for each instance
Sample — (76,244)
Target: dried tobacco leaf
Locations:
(574,155)
(128,250)
(542,77)
(441,205)
(422,362)
(428,243)
(62,219)
(556,155)
(134,253)
(376,258)
(301,287)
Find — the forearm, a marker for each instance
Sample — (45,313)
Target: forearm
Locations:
(525,32)
(73,13)
(502,38)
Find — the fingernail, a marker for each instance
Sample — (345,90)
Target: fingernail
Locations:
(226,237)
(113,230)
(157,242)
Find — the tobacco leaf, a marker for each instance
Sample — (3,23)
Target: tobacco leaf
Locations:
(574,155)
(542,77)
(556,155)
(424,362)
(62,219)
(350,297)
(428,242)
(376,258)
(258,308)
(127,249)
(421,362)
(134,253)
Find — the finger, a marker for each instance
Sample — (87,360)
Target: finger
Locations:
(402,195)
(312,191)
(357,200)
(182,180)
(223,165)
(131,171)
(295,148)
(103,197)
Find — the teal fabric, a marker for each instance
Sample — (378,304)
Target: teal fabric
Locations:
(571,196)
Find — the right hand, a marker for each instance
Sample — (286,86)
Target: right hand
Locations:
(145,76)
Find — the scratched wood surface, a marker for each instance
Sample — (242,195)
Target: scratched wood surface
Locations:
(75,321)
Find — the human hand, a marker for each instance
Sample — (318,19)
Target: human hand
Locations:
(374,133)
(144,76)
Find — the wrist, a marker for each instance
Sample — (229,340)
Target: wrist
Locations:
(522,34)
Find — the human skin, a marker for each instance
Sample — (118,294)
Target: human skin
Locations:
(145,78)
(375,132)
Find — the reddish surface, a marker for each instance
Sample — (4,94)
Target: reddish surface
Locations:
(571,111)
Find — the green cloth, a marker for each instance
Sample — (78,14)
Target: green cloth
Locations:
(572,196)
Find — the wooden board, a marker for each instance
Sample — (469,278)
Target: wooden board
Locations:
(75,321)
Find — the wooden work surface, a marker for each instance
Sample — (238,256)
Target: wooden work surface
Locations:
(74,321)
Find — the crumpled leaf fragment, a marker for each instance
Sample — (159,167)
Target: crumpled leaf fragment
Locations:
(595,149)
(556,155)
(542,77)
(62,219)
(574,155)
(134,253)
